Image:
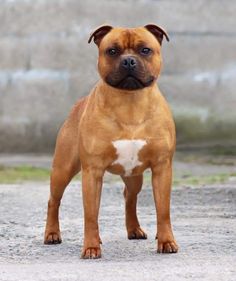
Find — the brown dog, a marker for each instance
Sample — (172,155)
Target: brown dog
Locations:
(123,126)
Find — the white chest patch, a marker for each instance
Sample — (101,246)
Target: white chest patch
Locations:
(127,151)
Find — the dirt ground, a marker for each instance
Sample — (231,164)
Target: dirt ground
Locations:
(204,223)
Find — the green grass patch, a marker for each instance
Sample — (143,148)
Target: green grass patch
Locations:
(216,155)
(26,173)
(192,180)
(22,174)
(202,180)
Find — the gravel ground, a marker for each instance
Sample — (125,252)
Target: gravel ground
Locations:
(204,222)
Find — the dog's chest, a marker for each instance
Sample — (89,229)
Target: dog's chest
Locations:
(127,152)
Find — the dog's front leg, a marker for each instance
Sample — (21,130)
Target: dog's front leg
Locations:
(161,182)
(92,187)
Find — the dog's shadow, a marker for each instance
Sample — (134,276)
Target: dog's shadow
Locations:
(112,250)
(128,250)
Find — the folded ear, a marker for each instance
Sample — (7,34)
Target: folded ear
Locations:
(99,33)
(158,32)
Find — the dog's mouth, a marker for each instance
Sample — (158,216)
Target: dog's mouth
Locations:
(131,82)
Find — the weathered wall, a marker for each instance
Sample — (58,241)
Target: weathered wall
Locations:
(46,64)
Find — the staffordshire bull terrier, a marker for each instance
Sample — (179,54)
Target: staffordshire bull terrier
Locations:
(124,126)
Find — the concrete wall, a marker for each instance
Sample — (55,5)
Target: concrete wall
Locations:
(46,64)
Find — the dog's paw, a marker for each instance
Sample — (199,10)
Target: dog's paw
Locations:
(137,233)
(91,253)
(170,247)
(52,238)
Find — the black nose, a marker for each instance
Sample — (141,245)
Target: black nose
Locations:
(129,63)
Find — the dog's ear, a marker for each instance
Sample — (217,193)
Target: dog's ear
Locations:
(99,33)
(157,31)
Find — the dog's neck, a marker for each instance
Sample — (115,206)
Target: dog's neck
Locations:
(128,107)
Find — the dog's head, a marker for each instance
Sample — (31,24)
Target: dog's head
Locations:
(129,58)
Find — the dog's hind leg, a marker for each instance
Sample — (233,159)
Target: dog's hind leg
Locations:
(66,165)
(133,186)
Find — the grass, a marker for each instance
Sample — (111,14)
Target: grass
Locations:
(22,174)
(25,173)
(203,180)
(196,180)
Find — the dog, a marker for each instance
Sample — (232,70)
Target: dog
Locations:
(124,126)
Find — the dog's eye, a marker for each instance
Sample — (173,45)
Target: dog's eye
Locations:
(112,51)
(145,51)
